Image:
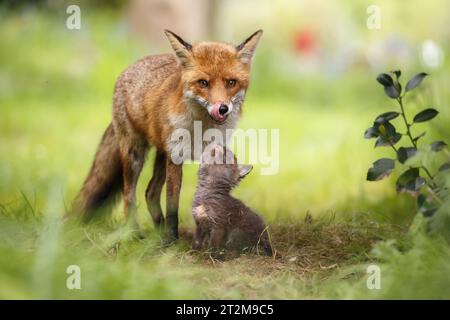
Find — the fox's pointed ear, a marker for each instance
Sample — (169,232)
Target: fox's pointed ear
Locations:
(244,169)
(246,49)
(182,48)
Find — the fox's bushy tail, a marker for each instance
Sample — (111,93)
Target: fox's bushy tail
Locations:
(103,184)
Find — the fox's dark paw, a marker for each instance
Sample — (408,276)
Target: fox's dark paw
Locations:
(170,238)
(197,245)
(218,255)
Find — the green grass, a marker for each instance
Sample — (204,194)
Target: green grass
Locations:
(55,97)
(36,254)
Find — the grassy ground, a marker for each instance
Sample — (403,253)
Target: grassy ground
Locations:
(328,223)
(315,253)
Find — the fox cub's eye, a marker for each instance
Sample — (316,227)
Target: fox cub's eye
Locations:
(203,83)
(231,83)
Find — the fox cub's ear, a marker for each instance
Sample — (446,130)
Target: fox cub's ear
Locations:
(246,49)
(244,169)
(182,48)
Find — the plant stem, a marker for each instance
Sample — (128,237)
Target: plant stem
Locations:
(434,195)
(427,172)
(408,131)
(433,185)
(395,149)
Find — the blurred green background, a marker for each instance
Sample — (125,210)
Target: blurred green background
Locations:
(313,78)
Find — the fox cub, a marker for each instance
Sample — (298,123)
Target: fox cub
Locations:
(222,221)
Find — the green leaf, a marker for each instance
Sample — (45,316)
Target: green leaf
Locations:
(387,116)
(371,133)
(444,167)
(385,142)
(397,73)
(438,146)
(404,154)
(410,181)
(385,129)
(392,92)
(425,115)
(398,86)
(385,80)
(426,205)
(382,143)
(396,138)
(415,81)
(380,169)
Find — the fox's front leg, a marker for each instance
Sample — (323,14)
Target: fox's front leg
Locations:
(174,175)
(153,192)
(199,237)
(217,239)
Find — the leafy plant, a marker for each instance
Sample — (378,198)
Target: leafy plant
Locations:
(417,179)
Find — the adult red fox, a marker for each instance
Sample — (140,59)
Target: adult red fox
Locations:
(153,97)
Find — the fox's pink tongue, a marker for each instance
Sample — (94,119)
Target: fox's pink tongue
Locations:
(215,112)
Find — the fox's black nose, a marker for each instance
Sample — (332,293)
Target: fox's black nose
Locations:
(223,109)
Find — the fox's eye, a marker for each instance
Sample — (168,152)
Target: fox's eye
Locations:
(231,83)
(203,83)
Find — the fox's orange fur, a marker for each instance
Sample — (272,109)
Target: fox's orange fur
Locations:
(152,98)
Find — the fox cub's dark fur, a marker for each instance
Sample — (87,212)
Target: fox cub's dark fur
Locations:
(222,221)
